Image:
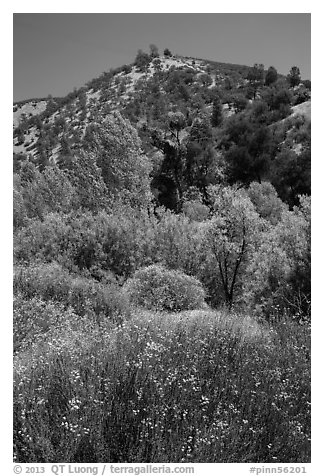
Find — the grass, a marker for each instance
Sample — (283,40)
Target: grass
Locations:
(196,386)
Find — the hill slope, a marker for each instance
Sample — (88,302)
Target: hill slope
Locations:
(147,93)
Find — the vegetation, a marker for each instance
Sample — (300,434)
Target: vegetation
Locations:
(162,268)
(157,288)
(195,387)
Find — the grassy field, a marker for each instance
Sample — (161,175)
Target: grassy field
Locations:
(195,386)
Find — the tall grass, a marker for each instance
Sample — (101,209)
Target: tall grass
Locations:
(197,386)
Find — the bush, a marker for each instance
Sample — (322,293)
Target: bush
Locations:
(34,319)
(155,287)
(118,243)
(51,282)
(167,52)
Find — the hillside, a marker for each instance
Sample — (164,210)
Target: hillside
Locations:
(162,267)
(147,92)
(118,89)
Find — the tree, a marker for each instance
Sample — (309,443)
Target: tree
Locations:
(279,269)
(205,79)
(301,95)
(294,77)
(20,137)
(201,166)
(239,102)
(142,60)
(291,174)
(266,201)
(278,95)
(217,112)
(19,208)
(154,52)
(86,177)
(167,52)
(171,174)
(228,84)
(45,192)
(65,145)
(124,168)
(307,83)
(256,77)
(271,76)
(231,235)
(247,149)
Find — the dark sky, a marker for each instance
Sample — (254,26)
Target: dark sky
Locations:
(55,52)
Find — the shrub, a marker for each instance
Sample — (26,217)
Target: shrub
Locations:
(33,319)
(47,281)
(119,243)
(167,52)
(103,300)
(178,242)
(127,69)
(195,210)
(155,287)
(51,282)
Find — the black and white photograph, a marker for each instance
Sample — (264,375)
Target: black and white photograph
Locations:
(161,241)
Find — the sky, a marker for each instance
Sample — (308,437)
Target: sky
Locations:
(56,52)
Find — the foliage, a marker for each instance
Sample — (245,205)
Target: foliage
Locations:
(278,95)
(294,76)
(38,193)
(158,288)
(292,174)
(154,52)
(217,113)
(125,169)
(256,77)
(271,76)
(238,101)
(279,272)
(266,201)
(33,319)
(87,179)
(301,95)
(51,282)
(178,242)
(248,146)
(231,235)
(119,242)
(97,377)
(142,61)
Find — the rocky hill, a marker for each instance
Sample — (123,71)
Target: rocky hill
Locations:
(147,93)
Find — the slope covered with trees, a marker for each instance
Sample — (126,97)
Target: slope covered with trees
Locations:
(162,267)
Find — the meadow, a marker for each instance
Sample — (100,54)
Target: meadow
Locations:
(194,386)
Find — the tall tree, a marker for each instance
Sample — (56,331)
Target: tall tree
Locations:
(154,52)
(167,52)
(217,112)
(271,76)
(87,179)
(142,60)
(172,146)
(294,77)
(247,147)
(256,77)
(124,167)
(231,235)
